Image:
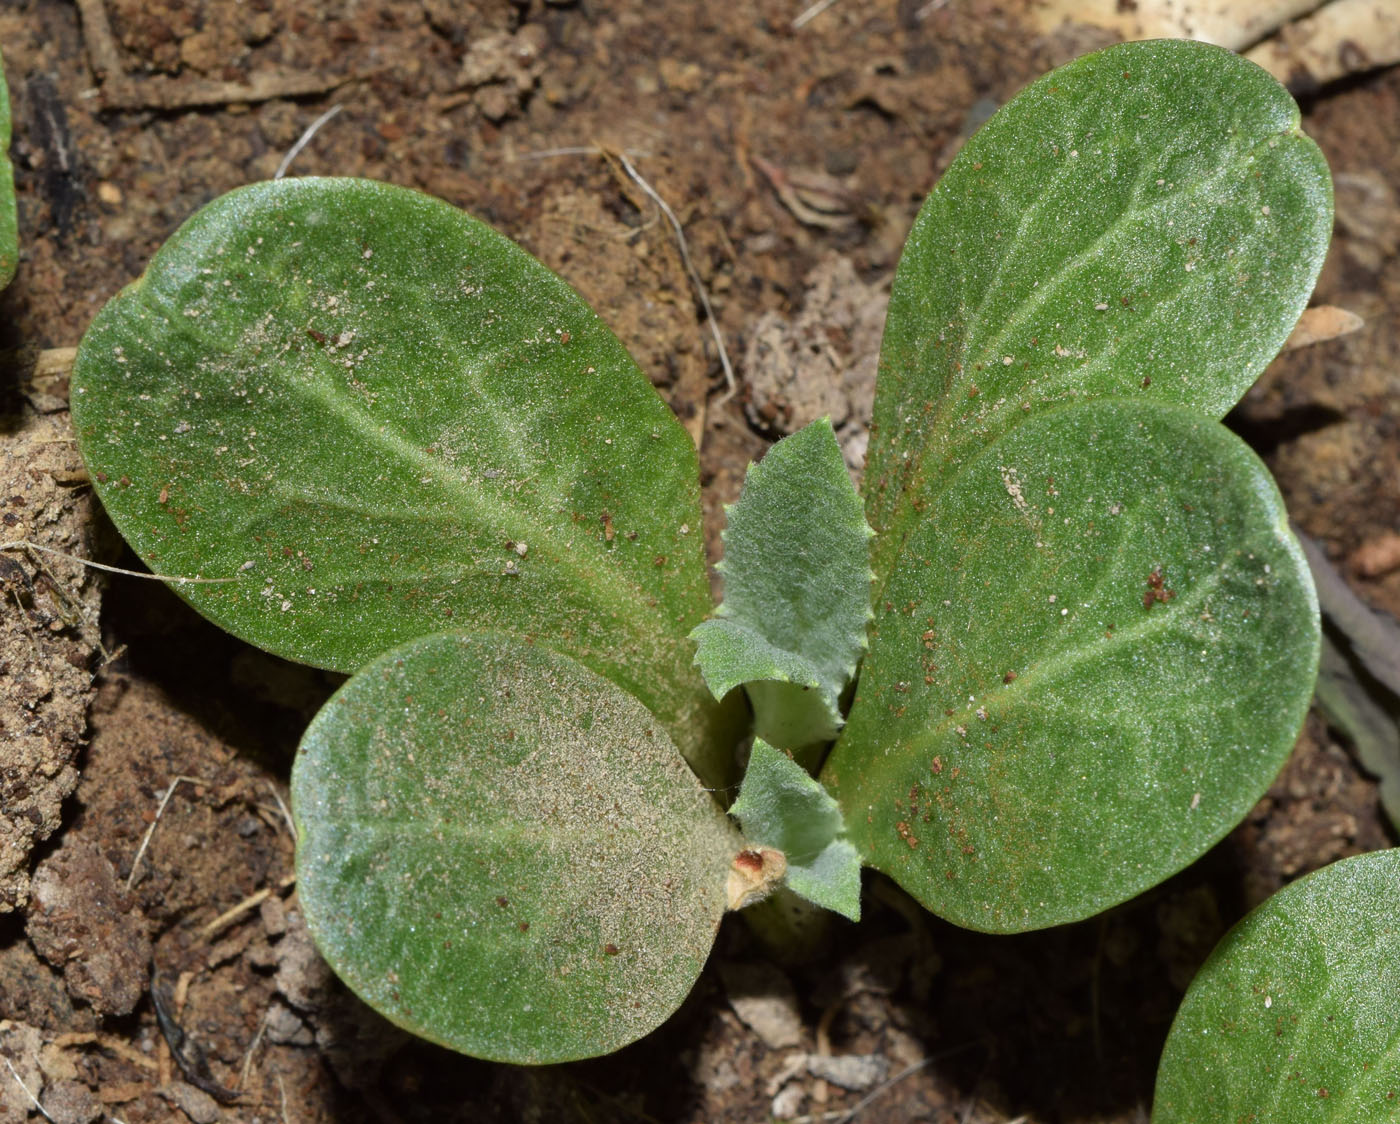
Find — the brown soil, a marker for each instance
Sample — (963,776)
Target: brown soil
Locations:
(795,161)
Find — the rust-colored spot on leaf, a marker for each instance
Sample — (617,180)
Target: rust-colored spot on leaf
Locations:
(1156,589)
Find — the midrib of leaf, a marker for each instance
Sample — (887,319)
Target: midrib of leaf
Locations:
(806,858)
(1340,1107)
(1050,285)
(1032,301)
(466,832)
(1064,379)
(1303,1032)
(1028,216)
(503,420)
(529,837)
(933,496)
(1067,658)
(627,598)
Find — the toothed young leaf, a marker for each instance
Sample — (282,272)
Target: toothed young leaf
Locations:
(503,852)
(782,807)
(1085,671)
(387,419)
(9,226)
(1145,222)
(796,591)
(1295,1018)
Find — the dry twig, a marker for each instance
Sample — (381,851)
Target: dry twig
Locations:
(169,93)
(109,1042)
(120,91)
(811,13)
(691,271)
(252,901)
(25,544)
(304,140)
(27,1091)
(160,811)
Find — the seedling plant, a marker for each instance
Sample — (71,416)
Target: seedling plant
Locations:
(1057,651)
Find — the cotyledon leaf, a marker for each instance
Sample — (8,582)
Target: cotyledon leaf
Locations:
(503,852)
(9,226)
(796,591)
(1088,666)
(1295,1018)
(1146,221)
(387,419)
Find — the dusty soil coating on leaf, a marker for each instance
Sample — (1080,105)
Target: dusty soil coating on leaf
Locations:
(503,851)
(778,150)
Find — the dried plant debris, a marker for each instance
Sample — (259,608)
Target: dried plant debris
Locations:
(1358,684)
(1341,38)
(820,362)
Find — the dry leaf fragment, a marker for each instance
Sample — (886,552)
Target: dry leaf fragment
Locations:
(1322,322)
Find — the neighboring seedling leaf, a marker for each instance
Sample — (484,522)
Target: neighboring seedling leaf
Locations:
(9,225)
(781,806)
(503,852)
(1145,221)
(388,419)
(1083,673)
(1296,1015)
(796,591)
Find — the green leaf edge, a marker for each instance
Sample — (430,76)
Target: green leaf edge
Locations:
(698,726)
(884,507)
(781,806)
(1286,541)
(755,635)
(308,836)
(1314,918)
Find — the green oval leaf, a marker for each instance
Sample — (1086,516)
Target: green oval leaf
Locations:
(9,224)
(503,852)
(1145,221)
(1084,670)
(388,419)
(1295,1018)
(796,591)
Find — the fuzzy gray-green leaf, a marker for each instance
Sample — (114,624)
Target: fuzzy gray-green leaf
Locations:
(1295,1018)
(796,591)
(9,227)
(1084,672)
(503,852)
(781,806)
(1146,221)
(386,420)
